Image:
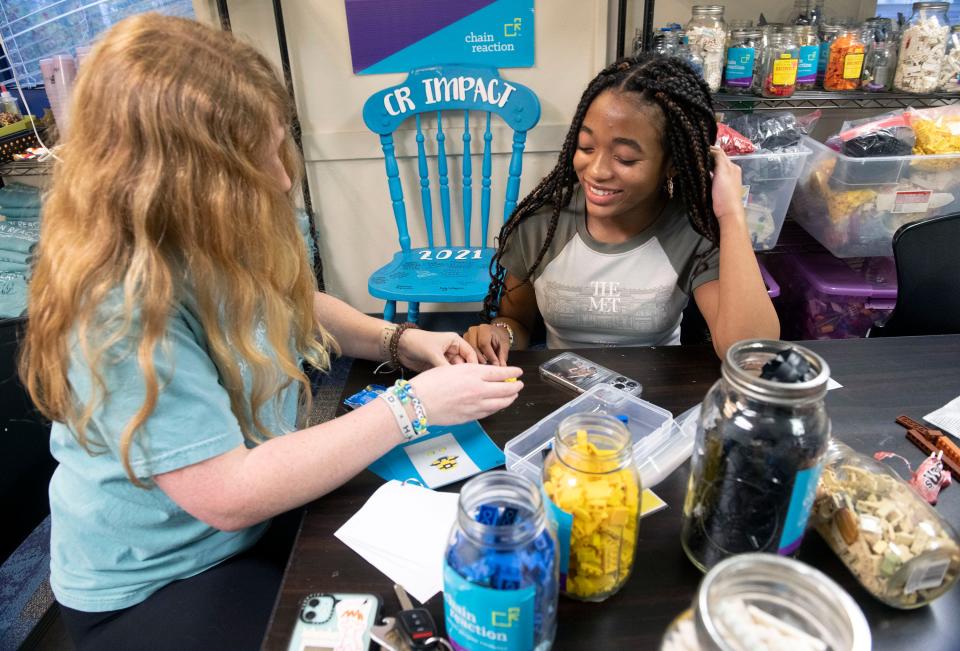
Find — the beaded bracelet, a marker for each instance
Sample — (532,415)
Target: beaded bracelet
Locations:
(395,342)
(400,415)
(386,336)
(404,391)
(506,326)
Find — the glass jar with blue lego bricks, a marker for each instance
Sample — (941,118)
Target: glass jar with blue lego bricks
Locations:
(500,575)
(592,494)
(759,452)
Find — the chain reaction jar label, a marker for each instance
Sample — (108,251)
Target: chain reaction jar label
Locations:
(740,62)
(484,619)
(801,500)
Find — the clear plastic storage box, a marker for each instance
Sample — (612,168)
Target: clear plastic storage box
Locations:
(823,297)
(660,443)
(769,179)
(853,206)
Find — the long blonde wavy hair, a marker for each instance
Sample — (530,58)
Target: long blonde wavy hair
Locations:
(161,192)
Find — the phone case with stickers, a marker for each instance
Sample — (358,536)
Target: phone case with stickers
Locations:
(581,374)
(329,621)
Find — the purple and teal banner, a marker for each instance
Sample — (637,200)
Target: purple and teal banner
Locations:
(401,35)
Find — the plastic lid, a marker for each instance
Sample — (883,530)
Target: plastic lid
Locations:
(832,276)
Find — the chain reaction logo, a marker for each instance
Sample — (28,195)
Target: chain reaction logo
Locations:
(502,619)
(445,462)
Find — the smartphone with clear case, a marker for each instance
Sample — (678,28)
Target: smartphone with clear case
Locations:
(581,374)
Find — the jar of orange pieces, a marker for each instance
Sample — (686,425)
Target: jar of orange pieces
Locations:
(845,61)
(592,491)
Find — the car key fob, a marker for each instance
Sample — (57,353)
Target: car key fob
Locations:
(417,626)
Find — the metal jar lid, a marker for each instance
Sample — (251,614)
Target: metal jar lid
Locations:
(708,9)
(745,360)
(746,33)
(936,6)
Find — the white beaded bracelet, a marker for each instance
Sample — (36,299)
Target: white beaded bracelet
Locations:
(505,326)
(400,414)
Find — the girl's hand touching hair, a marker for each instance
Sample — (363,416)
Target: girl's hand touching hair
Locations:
(727,188)
(457,394)
(421,349)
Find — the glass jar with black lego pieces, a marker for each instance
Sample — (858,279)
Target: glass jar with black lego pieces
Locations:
(759,450)
(744,56)
(808,43)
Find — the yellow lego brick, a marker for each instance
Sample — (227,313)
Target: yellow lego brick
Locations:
(619,516)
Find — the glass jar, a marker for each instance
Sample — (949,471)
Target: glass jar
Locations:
(691,58)
(744,55)
(950,70)
(667,42)
(780,62)
(827,34)
(738,24)
(760,441)
(769,30)
(845,63)
(923,43)
(501,558)
(806,12)
(593,495)
(707,36)
(762,601)
(881,59)
(899,548)
(809,44)
(637,45)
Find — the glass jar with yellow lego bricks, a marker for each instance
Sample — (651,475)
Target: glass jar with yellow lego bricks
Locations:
(592,491)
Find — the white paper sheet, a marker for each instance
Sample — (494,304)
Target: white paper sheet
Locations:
(947,417)
(402,530)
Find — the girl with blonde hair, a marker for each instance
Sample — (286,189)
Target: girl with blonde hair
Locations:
(170,310)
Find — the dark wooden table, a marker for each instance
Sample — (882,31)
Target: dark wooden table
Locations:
(881,378)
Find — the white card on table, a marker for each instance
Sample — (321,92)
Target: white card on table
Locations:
(441,461)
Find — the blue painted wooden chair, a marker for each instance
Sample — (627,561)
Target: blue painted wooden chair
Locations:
(450,273)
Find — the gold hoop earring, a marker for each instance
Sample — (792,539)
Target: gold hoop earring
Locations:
(670,187)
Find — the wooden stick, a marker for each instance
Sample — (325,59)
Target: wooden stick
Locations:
(928,447)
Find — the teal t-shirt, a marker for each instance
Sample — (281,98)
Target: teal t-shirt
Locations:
(113,544)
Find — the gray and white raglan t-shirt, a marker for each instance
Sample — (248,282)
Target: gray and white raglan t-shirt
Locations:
(595,294)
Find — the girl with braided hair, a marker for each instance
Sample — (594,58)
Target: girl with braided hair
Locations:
(639,213)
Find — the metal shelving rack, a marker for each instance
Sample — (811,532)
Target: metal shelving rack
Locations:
(25,168)
(815,99)
(826,100)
